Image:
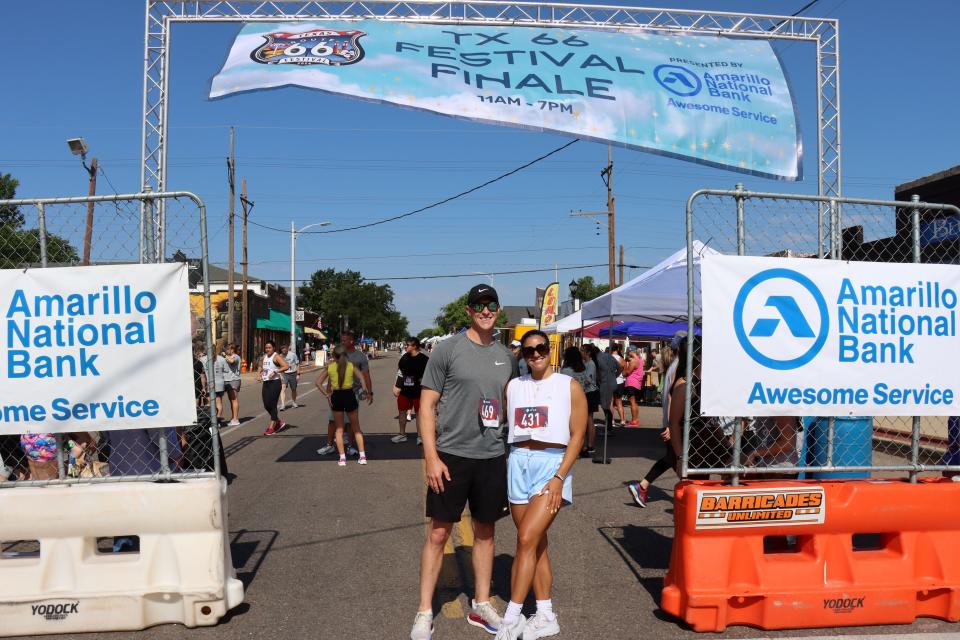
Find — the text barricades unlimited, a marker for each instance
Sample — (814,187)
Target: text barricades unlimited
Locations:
(885,553)
(95,348)
(828,338)
(719,101)
(767,506)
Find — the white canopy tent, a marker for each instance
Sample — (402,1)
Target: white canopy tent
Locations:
(658,294)
(572,322)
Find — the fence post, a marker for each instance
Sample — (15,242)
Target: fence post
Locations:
(738,424)
(915,430)
(42,230)
(687,396)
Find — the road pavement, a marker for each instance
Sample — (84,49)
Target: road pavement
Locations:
(332,552)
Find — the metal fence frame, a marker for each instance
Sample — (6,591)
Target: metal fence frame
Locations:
(152,238)
(829,227)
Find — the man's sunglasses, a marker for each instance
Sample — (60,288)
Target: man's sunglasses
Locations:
(480,306)
(542,349)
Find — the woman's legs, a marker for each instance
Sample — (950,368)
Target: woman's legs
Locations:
(234,403)
(531,550)
(283,396)
(634,411)
(591,432)
(338,431)
(269,393)
(354,430)
(219,405)
(661,466)
(543,574)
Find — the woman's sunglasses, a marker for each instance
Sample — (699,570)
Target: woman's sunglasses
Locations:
(542,349)
(480,306)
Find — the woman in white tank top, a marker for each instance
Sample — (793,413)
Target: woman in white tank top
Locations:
(547,414)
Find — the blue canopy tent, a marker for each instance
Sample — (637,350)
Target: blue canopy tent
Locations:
(648,329)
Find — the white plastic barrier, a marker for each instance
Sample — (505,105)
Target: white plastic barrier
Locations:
(183,572)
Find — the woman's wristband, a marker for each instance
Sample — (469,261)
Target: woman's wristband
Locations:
(559,477)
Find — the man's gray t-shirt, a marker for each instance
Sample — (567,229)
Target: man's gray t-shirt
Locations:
(360,363)
(465,373)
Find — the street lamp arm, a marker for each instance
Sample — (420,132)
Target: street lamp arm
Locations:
(315,224)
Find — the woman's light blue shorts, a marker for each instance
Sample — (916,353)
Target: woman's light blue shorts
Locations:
(529,471)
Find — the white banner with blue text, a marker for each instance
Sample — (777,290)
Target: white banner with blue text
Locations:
(96,348)
(798,337)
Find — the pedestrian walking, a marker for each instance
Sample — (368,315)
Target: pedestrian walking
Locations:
(547,420)
(592,391)
(619,418)
(290,378)
(360,382)
(633,386)
(608,370)
(231,379)
(462,404)
(406,388)
(272,366)
(336,383)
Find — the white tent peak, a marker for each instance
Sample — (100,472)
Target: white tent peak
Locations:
(658,294)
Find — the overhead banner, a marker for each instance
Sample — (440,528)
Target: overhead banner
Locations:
(799,337)
(719,101)
(550,305)
(95,349)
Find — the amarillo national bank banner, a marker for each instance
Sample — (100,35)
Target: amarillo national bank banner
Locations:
(719,101)
(95,348)
(799,337)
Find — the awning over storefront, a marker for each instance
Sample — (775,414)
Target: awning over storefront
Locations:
(315,332)
(278,321)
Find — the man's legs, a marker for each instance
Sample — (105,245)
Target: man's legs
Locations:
(483,552)
(431,560)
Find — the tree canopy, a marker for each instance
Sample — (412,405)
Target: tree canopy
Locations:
(587,289)
(453,316)
(21,247)
(365,307)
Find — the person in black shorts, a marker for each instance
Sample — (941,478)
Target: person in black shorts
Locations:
(406,388)
(461,417)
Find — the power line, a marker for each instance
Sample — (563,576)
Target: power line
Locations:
(429,206)
(498,273)
(804,8)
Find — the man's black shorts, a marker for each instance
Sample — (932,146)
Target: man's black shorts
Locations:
(481,482)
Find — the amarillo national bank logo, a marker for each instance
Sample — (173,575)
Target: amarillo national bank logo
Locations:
(678,80)
(780,318)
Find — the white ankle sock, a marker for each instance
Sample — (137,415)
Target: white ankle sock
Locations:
(363,454)
(513,613)
(546,608)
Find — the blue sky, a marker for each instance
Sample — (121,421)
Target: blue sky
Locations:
(309,157)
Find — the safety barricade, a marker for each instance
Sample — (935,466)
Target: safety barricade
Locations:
(63,576)
(805,554)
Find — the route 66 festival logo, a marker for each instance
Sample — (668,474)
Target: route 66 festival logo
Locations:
(317,46)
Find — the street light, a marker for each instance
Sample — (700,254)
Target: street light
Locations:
(78,147)
(293,278)
(574,287)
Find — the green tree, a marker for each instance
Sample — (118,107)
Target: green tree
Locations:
(366,307)
(430,332)
(9,214)
(453,316)
(21,247)
(587,289)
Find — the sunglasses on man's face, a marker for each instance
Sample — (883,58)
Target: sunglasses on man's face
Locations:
(478,307)
(542,349)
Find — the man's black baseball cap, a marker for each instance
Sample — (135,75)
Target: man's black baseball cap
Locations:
(480,292)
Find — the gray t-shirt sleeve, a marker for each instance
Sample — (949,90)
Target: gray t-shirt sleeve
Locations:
(436,371)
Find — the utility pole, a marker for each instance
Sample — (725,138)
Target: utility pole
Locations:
(606,175)
(230,240)
(246,205)
(621,265)
(88,230)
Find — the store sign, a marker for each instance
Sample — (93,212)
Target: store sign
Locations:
(95,348)
(827,338)
(709,99)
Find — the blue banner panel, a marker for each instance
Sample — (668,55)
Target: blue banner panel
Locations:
(719,101)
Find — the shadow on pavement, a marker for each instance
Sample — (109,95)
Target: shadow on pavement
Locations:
(249,549)
(645,551)
(378,447)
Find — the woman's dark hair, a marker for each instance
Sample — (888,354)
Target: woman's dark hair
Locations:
(593,350)
(415,341)
(573,359)
(616,349)
(682,361)
(271,343)
(535,332)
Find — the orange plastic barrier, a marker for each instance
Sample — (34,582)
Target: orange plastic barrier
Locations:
(805,554)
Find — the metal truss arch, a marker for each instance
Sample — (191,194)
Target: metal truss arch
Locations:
(162,14)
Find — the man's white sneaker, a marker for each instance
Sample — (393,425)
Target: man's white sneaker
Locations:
(326,449)
(233,423)
(422,626)
(397,439)
(294,405)
(539,626)
(483,615)
(511,631)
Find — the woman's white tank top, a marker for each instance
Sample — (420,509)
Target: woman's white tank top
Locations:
(269,367)
(539,409)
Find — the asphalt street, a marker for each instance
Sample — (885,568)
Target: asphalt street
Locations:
(332,552)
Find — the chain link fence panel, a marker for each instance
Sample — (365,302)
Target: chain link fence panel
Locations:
(116,230)
(782,225)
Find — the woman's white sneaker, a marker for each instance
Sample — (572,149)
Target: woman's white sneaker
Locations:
(539,626)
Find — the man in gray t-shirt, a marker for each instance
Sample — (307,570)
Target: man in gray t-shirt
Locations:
(462,409)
